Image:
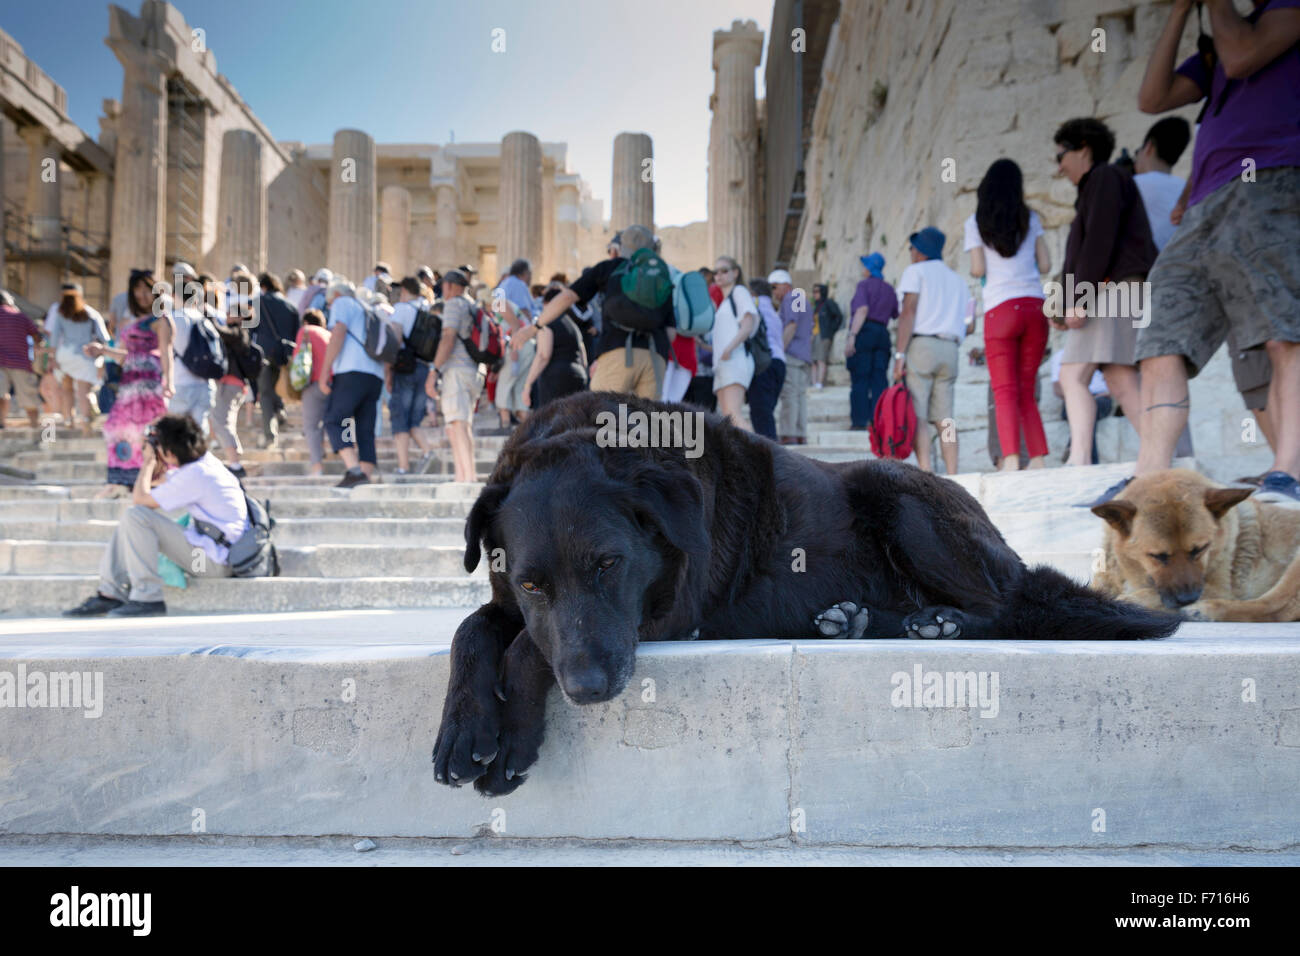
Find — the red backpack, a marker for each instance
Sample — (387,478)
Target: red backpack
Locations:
(893,425)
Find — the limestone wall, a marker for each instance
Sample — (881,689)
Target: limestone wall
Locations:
(297,202)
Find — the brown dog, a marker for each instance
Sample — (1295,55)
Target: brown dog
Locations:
(1176,539)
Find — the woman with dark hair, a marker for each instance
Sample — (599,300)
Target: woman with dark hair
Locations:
(1008,251)
(144,351)
(560,364)
(1107,257)
(71,326)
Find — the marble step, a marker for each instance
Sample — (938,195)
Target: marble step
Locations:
(289,532)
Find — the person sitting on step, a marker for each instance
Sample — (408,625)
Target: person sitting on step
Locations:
(177,471)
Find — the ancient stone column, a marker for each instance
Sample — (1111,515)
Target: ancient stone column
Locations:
(44,224)
(447,210)
(351,247)
(140,171)
(734,185)
(241,202)
(567,213)
(520,202)
(634,190)
(546,268)
(395,230)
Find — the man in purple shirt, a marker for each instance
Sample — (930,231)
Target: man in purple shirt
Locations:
(867,348)
(1232,265)
(796,340)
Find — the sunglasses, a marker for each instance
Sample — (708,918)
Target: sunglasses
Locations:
(1061,155)
(723,272)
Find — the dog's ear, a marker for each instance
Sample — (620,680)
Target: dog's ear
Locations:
(1219,500)
(480,521)
(672,502)
(1118,513)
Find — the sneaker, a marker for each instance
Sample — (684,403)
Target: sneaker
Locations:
(1278,488)
(93,607)
(139,609)
(423,467)
(1108,494)
(353,478)
(400,471)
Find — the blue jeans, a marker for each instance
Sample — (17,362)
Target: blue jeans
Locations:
(406,404)
(195,400)
(868,370)
(764,391)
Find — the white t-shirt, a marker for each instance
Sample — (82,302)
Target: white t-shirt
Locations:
(943,302)
(1160,192)
(352,358)
(208,490)
(404,314)
(1007,279)
(726,322)
(183,320)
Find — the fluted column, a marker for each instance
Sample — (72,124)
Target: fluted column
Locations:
(44,219)
(567,214)
(395,229)
(546,268)
(241,201)
(447,210)
(351,246)
(736,53)
(634,189)
(139,171)
(520,201)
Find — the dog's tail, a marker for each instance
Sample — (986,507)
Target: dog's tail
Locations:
(1047,605)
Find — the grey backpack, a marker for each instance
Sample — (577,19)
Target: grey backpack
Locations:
(252,555)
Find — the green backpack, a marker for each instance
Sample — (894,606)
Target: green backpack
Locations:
(636,292)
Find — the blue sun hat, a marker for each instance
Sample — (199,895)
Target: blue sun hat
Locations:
(928,242)
(874,263)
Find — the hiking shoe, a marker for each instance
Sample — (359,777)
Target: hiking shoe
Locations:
(1108,494)
(1278,488)
(93,607)
(139,609)
(353,478)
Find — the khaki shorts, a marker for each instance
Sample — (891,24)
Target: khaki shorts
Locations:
(1231,265)
(459,392)
(931,374)
(821,349)
(610,373)
(26,386)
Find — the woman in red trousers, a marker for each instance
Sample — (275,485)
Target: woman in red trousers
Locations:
(1009,252)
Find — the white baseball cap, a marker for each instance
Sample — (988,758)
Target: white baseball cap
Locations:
(780,275)
(323,275)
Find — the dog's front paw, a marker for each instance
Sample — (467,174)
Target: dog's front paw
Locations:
(844,620)
(1200,611)
(519,748)
(467,740)
(934,623)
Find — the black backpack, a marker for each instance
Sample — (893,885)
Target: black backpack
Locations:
(422,343)
(204,354)
(253,555)
(244,356)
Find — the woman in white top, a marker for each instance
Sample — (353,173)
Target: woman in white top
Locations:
(735,321)
(1009,251)
(71,326)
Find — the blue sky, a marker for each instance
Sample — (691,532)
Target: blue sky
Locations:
(575,71)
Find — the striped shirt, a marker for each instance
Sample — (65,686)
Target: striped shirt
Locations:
(15,329)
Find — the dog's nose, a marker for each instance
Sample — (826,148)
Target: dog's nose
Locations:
(587,685)
(1186,596)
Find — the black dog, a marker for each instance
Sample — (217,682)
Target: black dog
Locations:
(593,549)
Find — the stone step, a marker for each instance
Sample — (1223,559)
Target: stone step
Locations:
(316,561)
(48,594)
(289,532)
(90,470)
(282,506)
(317,724)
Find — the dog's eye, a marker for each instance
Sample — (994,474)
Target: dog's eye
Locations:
(530,587)
(606,563)
(1162,557)
(1197,551)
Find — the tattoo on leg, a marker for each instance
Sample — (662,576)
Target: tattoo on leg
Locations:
(1184,403)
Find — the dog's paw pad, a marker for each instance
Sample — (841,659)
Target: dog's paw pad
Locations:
(844,620)
(933,624)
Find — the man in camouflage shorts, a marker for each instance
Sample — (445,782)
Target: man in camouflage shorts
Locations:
(1233,264)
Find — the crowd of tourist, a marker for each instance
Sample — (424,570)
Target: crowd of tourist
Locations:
(1216,252)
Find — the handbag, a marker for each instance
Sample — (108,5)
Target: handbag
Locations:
(300,366)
